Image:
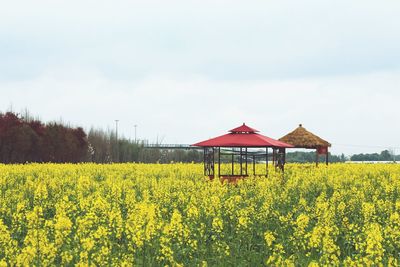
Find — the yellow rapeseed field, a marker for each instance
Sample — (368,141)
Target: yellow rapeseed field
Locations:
(157,215)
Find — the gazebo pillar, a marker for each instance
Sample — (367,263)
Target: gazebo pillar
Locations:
(246,162)
(219,161)
(266,161)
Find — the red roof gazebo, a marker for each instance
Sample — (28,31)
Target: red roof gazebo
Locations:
(242,145)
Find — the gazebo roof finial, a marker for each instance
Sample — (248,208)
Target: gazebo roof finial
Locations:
(243,136)
(243,129)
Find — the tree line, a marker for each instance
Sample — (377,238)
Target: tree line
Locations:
(26,139)
(29,140)
(105,148)
(385,155)
(304,157)
(308,157)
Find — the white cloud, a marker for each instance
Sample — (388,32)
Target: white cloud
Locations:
(218,39)
(355,110)
(188,70)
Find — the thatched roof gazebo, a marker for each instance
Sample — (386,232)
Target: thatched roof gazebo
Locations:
(301,138)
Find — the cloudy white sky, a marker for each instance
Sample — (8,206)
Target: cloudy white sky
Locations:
(184,71)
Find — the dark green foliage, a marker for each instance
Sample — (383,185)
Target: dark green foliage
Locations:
(308,157)
(385,155)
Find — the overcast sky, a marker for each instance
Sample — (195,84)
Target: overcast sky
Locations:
(184,71)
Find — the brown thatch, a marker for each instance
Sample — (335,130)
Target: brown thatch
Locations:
(301,138)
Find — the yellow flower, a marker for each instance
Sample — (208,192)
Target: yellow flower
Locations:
(269,238)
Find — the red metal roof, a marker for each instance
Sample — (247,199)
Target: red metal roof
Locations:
(243,136)
(243,129)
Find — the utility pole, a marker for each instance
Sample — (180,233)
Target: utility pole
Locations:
(135,133)
(116,139)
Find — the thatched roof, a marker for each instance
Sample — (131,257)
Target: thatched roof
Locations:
(301,138)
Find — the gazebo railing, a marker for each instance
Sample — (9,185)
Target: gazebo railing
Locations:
(235,162)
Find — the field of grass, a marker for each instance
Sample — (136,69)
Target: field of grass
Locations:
(151,214)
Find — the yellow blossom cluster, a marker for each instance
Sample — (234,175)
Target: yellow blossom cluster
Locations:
(171,215)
